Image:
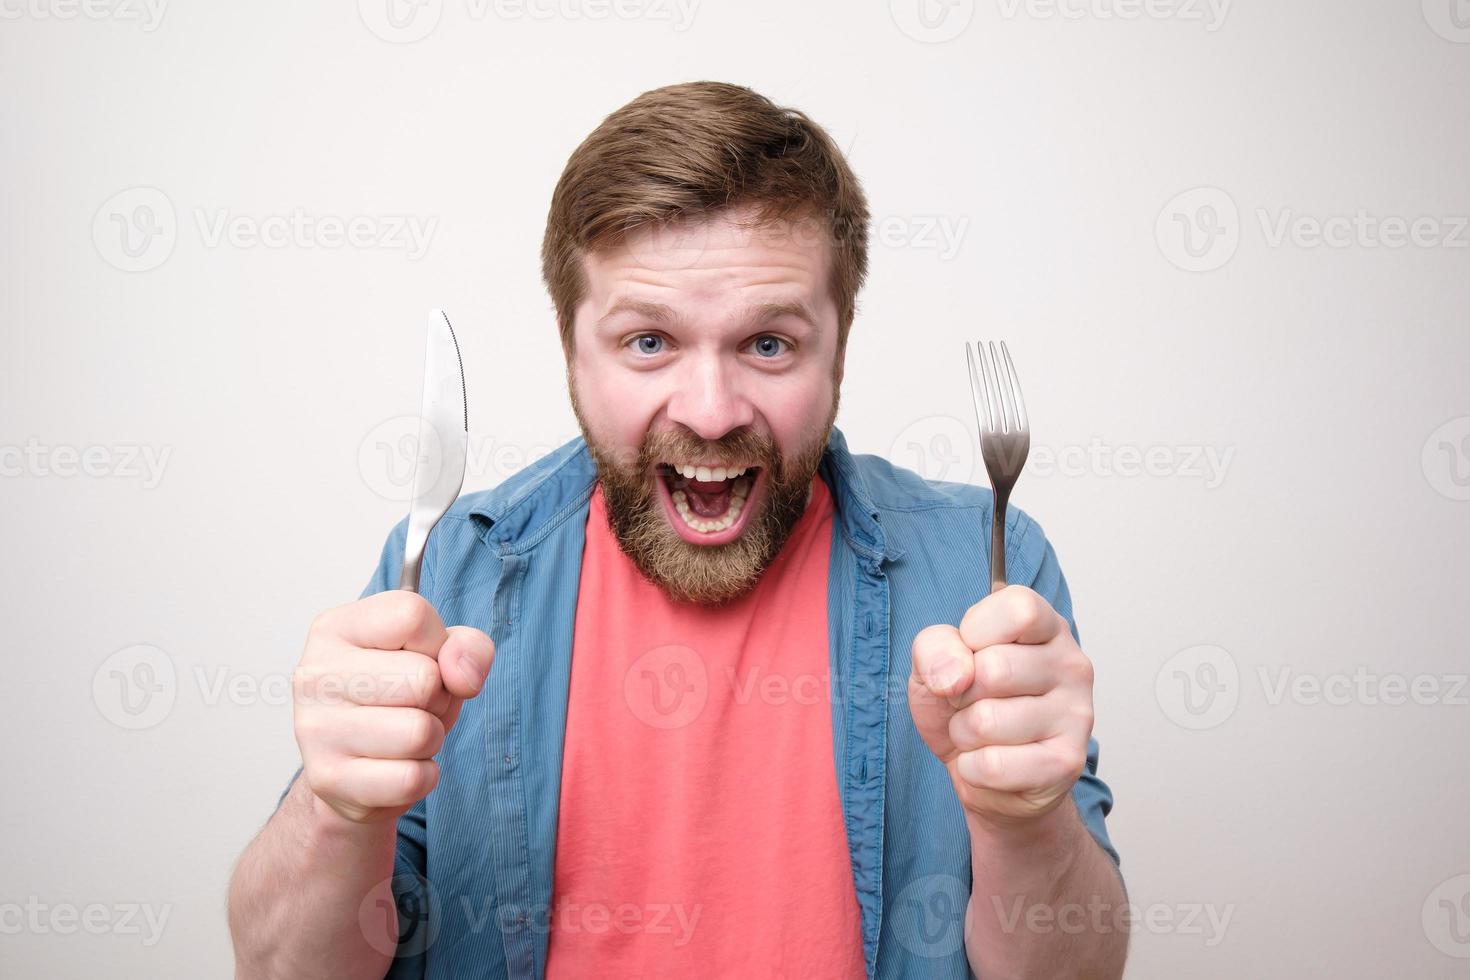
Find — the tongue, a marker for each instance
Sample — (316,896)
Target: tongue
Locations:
(708,498)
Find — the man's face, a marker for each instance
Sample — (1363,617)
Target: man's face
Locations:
(707,343)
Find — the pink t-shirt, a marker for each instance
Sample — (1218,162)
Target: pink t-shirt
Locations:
(700,832)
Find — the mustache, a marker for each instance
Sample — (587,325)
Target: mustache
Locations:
(746,449)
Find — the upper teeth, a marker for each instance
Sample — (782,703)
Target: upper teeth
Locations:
(706,474)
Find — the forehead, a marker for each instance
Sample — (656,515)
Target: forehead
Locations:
(723,259)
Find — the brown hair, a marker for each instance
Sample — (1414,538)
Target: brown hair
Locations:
(693,149)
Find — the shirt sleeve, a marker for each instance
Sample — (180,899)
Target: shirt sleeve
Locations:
(1093,797)
(410,857)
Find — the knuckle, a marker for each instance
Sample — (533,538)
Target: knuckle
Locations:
(423,734)
(408,613)
(984,719)
(993,668)
(990,764)
(425,682)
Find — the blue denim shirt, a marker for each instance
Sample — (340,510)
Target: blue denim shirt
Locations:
(473,873)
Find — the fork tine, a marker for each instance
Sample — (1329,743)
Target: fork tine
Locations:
(990,366)
(1015,383)
(1007,393)
(979,392)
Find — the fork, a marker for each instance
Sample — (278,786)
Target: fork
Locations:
(1005,440)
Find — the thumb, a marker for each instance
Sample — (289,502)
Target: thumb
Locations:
(464,660)
(943,667)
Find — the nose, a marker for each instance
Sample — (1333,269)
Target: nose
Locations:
(708,401)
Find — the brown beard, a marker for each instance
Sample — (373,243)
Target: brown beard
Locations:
(708,575)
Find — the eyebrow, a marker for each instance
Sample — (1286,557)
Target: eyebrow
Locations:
(665,315)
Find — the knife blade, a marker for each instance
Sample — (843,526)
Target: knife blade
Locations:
(444,424)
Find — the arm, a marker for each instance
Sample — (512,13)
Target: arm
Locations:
(1004,700)
(297,890)
(379,687)
(1046,901)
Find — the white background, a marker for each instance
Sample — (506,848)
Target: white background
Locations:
(1327,381)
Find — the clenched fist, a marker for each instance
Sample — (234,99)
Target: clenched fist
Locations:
(379,686)
(1005,702)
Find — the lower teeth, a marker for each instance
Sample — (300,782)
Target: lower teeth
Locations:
(711,525)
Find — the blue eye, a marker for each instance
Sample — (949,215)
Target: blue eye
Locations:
(657,340)
(769,339)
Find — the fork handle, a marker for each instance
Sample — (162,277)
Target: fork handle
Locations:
(998,542)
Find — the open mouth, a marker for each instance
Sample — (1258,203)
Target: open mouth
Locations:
(709,505)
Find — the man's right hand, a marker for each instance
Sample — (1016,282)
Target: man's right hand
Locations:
(379,686)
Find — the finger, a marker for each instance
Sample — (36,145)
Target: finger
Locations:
(376,783)
(1018,768)
(1015,614)
(1010,670)
(387,678)
(464,660)
(392,620)
(1003,721)
(941,666)
(375,732)
(942,662)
